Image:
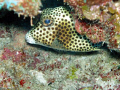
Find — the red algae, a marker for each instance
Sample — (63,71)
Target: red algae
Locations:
(14,55)
(94,32)
(22,82)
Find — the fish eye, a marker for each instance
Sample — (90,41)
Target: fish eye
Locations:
(47,22)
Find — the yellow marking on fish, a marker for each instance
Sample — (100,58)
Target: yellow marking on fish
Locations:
(56,30)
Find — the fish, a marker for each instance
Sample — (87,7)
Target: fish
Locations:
(56,30)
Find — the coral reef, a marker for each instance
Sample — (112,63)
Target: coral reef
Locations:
(22,7)
(32,67)
(102,23)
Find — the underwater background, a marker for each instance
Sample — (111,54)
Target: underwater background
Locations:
(27,66)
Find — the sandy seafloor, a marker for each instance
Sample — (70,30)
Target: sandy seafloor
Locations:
(33,67)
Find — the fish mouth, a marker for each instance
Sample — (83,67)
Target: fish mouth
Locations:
(29,38)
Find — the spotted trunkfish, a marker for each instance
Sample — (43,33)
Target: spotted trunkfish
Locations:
(56,29)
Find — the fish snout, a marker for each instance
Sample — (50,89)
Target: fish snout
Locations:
(29,38)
